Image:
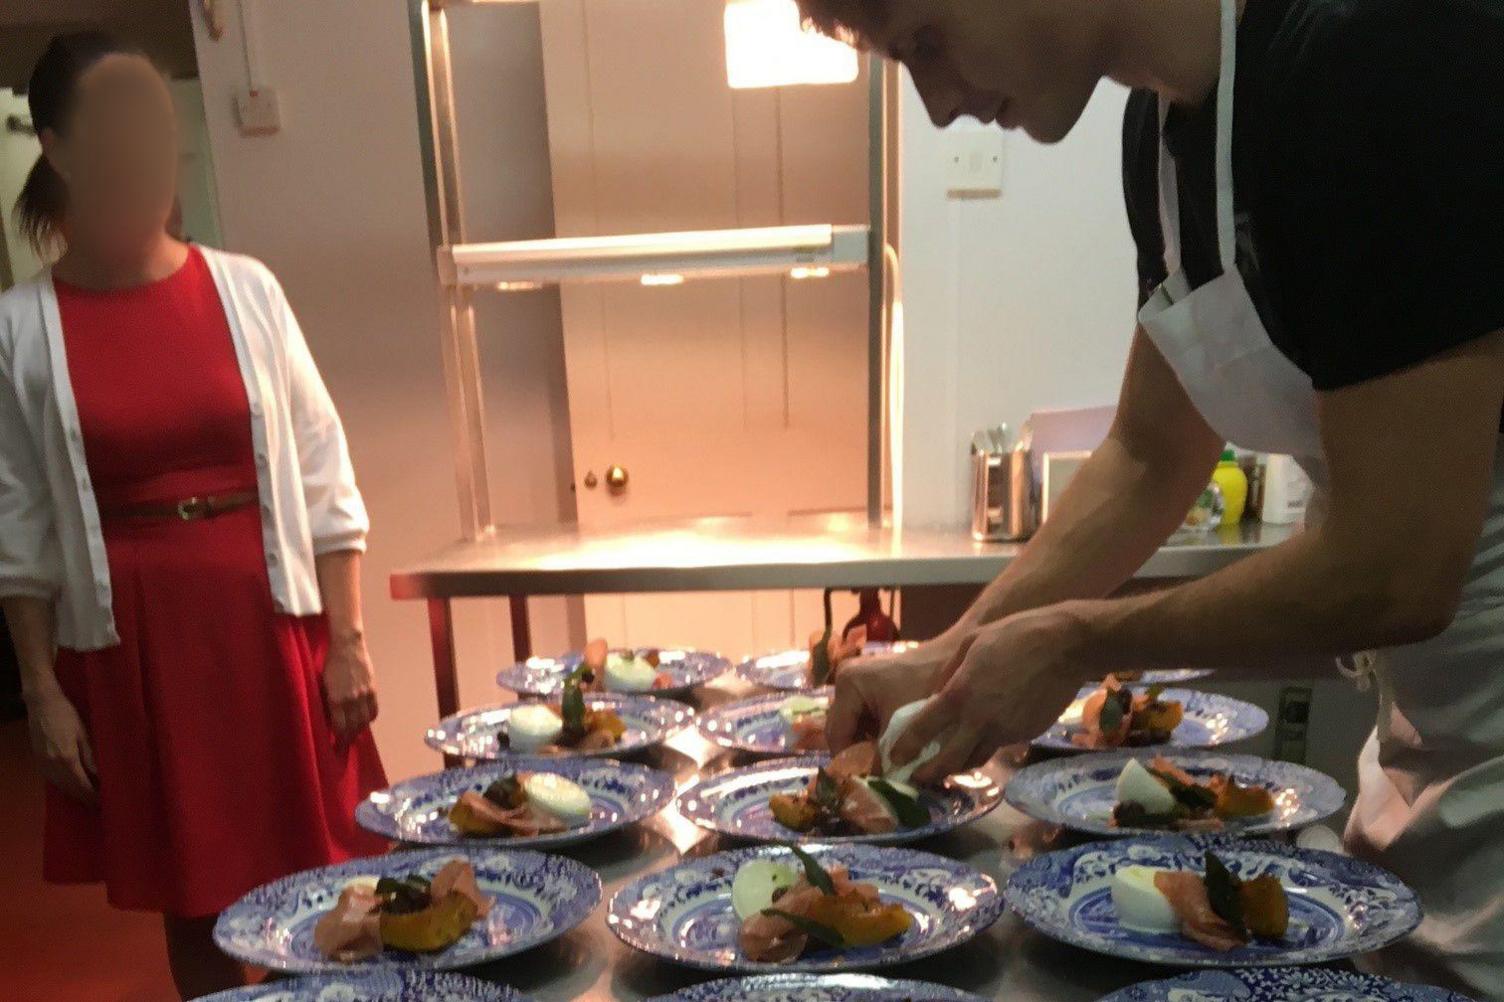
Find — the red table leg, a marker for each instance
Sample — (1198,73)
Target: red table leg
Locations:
(522,629)
(445,674)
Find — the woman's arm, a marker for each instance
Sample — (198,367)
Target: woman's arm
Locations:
(1119,508)
(1411,461)
(58,738)
(349,680)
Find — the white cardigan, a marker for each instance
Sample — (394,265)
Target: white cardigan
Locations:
(51,545)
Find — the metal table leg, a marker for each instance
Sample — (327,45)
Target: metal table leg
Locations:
(445,674)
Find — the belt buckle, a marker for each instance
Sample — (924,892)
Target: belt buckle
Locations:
(193,508)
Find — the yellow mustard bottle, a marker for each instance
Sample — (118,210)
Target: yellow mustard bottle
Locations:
(1229,476)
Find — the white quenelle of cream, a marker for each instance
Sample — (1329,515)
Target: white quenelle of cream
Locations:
(896,726)
(629,673)
(531,726)
(1137,785)
(558,796)
(1138,902)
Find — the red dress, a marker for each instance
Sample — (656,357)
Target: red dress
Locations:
(218,769)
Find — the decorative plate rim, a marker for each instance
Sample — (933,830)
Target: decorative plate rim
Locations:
(373,818)
(1018,901)
(721,663)
(481,991)
(672,715)
(587,881)
(1014,791)
(990,907)
(1335,979)
(984,800)
(791,981)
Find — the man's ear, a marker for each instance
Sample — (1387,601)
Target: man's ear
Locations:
(52,150)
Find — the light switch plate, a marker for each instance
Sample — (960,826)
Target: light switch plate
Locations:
(974,163)
(257,112)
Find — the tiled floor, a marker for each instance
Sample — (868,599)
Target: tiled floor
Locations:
(62,944)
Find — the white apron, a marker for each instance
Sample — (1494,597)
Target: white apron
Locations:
(1430,804)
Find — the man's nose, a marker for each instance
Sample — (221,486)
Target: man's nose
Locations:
(942,103)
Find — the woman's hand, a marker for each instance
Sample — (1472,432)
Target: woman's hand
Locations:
(349,687)
(869,690)
(61,745)
(1013,681)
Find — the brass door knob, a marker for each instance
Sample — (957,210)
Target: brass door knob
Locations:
(616,478)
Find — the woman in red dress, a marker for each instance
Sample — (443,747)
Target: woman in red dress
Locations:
(180,535)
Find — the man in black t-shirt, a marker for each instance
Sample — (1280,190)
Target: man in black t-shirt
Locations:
(1316,190)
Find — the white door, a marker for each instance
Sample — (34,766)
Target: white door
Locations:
(722,397)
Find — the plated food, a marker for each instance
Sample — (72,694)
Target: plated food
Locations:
(393,985)
(1280,984)
(687,913)
(408,912)
(666,670)
(781,724)
(422,810)
(817,988)
(739,804)
(520,899)
(1126,793)
(795,670)
(1150,899)
(494,732)
(1139,716)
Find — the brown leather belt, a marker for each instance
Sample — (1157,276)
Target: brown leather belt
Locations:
(188,510)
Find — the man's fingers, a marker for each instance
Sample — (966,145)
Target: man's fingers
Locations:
(960,744)
(956,661)
(937,716)
(847,709)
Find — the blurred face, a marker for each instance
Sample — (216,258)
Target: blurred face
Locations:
(1022,64)
(117,154)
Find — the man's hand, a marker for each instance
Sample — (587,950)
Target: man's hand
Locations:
(1011,683)
(61,745)
(349,687)
(870,690)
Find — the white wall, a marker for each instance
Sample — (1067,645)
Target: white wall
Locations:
(18,152)
(1010,305)
(334,203)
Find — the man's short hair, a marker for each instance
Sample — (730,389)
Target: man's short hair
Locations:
(852,21)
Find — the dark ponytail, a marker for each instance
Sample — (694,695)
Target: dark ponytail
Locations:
(43,201)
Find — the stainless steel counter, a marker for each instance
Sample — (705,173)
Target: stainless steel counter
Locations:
(736,554)
(1008,961)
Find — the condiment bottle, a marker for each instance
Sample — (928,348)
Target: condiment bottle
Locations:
(1234,483)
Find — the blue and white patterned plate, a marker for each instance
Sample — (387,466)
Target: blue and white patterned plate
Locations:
(754,725)
(545,676)
(735,803)
(685,914)
(1210,720)
(1339,906)
(417,810)
(817,988)
(472,733)
(392,985)
(1081,792)
(536,898)
(1280,984)
(789,670)
(1171,676)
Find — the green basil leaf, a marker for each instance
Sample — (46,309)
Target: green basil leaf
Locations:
(1191,796)
(911,814)
(1154,692)
(814,872)
(827,792)
(816,930)
(572,711)
(1222,891)
(1113,711)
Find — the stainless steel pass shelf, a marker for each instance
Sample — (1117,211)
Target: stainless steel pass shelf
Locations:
(735,554)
